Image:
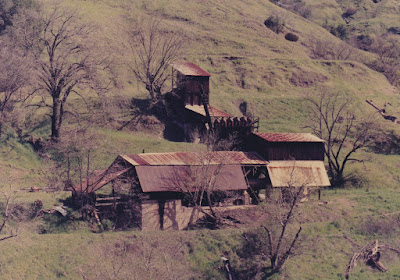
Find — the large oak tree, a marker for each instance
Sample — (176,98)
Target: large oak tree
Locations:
(64,60)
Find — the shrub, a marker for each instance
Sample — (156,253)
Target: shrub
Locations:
(275,23)
(364,42)
(350,11)
(107,224)
(305,11)
(291,37)
(394,30)
(340,31)
(325,49)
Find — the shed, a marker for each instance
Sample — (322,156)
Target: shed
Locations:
(286,146)
(192,81)
(306,173)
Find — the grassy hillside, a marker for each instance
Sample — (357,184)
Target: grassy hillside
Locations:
(370,17)
(357,214)
(248,62)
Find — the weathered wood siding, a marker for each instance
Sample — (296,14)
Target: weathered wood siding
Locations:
(173,215)
(285,150)
(191,87)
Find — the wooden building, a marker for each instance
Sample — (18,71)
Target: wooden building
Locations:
(286,146)
(192,82)
(294,159)
(191,85)
(157,185)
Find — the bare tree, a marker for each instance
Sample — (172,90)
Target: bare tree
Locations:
(277,240)
(278,252)
(75,157)
(198,183)
(14,75)
(326,49)
(333,121)
(65,61)
(388,51)
(7,232)
(153,50)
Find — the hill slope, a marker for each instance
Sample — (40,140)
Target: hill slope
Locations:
(248,62)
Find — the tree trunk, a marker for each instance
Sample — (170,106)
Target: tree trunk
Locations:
(56,120)
(2,117)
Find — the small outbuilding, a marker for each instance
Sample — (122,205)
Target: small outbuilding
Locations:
(286,146)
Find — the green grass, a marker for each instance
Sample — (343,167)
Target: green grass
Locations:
(325,252)
(247,62)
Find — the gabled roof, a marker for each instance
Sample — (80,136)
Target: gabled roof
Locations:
(288,137)
(214,112)
(98,180)
(192,158)
(183,178)
(189,69)
(290,173)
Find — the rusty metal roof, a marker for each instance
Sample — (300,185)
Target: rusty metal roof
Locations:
(189,69)
(289,173)
(192,158)
(214,112)
(98,180)
(288,137)
(191,178)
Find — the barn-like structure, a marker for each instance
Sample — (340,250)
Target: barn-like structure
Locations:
(161,186)
(162,190)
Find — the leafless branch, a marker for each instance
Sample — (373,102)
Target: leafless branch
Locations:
(333,121)
(153,50)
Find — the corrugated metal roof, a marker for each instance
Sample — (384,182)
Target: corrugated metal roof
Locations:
(191,178)
(192,158)
(98,180)
(190,69)
(214,112)
(288,137)
(307,173)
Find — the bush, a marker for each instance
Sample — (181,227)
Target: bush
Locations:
(275,23)
(291,37)
(107,224)
(364,42)
(304,11)
(350,11)
(394,30)
(340,31)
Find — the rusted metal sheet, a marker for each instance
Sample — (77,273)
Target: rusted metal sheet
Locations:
(190,178)
(98,180)
(288,137)
(191,158)
(214,112)
(289,173)
(190,69)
